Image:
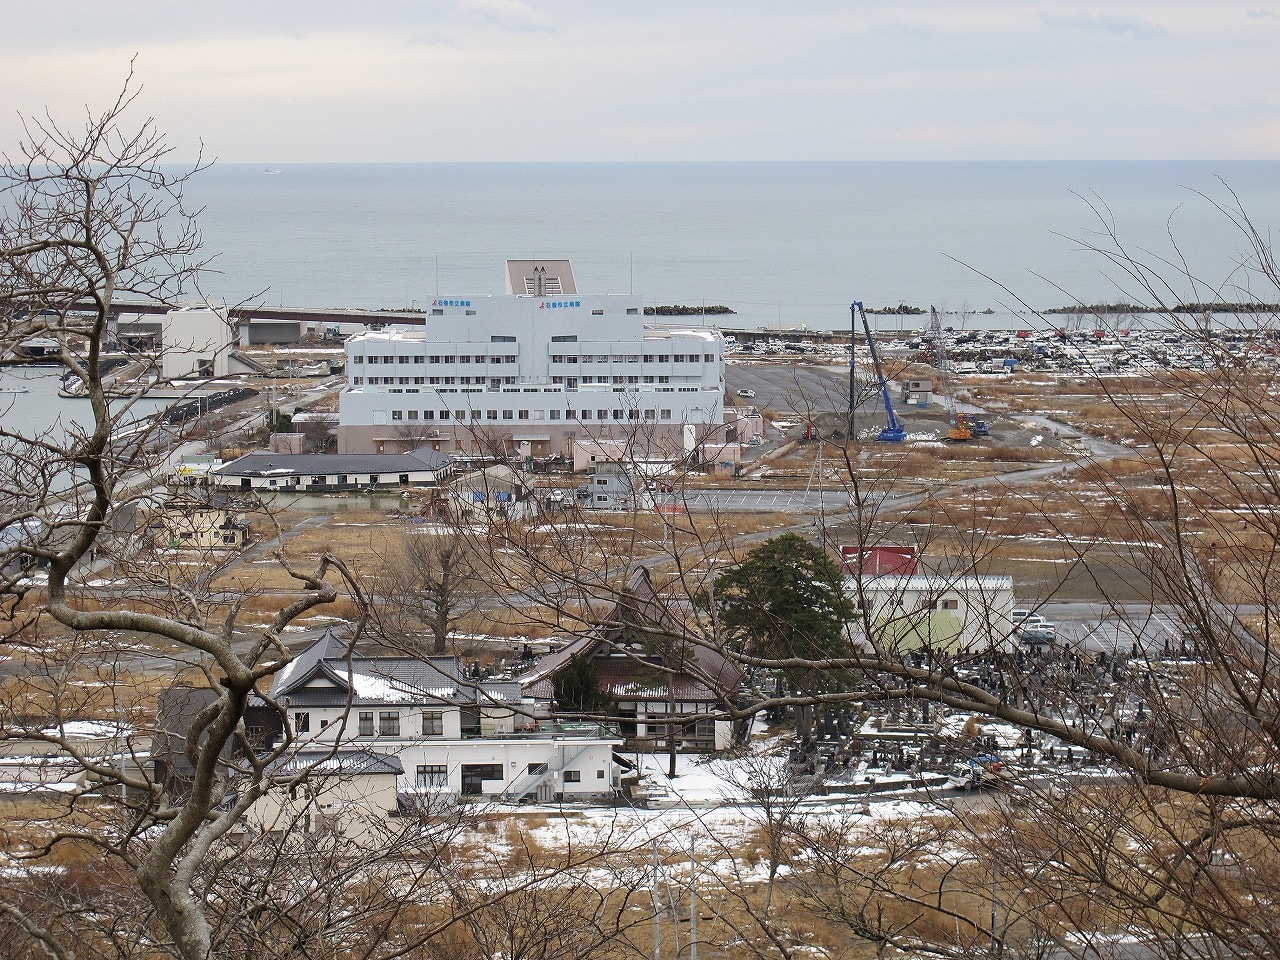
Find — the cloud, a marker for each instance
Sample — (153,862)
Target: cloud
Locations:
(730,79)
(1133,27)
(513,15)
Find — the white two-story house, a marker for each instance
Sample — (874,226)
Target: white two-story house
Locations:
(451,733)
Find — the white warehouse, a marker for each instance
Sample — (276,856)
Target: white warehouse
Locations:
(531,372)
(928,611)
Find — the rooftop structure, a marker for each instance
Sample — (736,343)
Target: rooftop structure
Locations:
(328,472)
(541,278)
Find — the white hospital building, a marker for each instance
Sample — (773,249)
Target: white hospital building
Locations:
(532,372)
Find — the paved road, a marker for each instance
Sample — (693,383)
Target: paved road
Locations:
(774,500)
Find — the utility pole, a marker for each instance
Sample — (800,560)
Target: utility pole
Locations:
(997,942)
(693,899)
(853,386)
(657,908)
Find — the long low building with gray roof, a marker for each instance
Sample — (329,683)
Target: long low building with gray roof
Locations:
(329,472)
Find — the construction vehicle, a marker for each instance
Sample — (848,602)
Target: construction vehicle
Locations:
(893,431)
(959,432)
(963,428)
(977,772)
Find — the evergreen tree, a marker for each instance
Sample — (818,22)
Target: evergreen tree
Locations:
(786,599)
(577,688)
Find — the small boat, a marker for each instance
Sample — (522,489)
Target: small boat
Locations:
(14,390)
(272,171)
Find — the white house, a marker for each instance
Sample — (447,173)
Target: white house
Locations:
(542,366)
(954,614)
(917,391)
(450,733)
(492,492)
(615,486)
(192,524)
(352,794)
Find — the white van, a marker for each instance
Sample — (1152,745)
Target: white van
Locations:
(1031,621)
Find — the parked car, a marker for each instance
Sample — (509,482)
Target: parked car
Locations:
(1037,635)
(746,393)
(1025,619)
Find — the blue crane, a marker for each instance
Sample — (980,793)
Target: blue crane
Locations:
(893,431)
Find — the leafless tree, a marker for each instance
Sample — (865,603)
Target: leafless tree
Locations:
(776,793)
(430,579)
(1173,535)
(90,215)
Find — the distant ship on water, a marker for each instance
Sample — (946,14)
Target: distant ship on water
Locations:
(273,171)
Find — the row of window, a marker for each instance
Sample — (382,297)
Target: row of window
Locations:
(389,358)
(388,723)
(494,383)
(925,605)
(568,388)
(604,378)
(441,358)
(507,384)
(633,358)
(651,413)
(437,774)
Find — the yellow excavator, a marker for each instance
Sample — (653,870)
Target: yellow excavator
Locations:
(960,432)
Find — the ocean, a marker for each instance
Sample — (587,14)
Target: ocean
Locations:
(782,244)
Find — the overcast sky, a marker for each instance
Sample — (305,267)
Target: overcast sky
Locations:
(276,81)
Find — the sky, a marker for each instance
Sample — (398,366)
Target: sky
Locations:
(281,81)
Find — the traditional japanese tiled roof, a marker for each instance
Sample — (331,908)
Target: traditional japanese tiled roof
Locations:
(643,631)
(327,673)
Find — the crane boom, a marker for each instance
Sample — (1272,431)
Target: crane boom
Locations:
(893,431)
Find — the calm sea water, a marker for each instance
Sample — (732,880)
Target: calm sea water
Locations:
(780,243)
